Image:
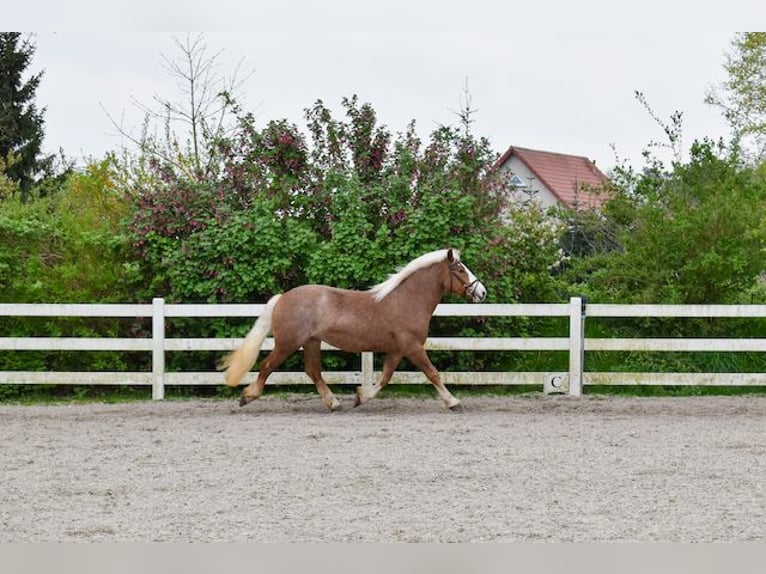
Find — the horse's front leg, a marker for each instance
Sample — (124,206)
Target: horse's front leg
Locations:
(366,392)
(420,359)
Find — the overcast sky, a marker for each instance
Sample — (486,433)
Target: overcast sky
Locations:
(557,76)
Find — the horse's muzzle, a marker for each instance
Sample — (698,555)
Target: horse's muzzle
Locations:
(476,291)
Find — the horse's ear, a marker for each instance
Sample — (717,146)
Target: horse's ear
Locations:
(450,256)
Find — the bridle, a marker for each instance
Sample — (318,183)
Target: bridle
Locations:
(469,289)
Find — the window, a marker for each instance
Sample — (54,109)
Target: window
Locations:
(517,181)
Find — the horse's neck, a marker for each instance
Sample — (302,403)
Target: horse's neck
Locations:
(421,292)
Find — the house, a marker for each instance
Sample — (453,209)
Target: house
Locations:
(554,178)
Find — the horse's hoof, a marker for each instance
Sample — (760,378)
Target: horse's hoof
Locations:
(357,400)
(458,408)
(335,405)
(243,400)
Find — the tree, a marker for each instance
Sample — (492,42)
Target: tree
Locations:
(342,204)
(21,123)
(742,97)
(203,112)
(673,130)
(694,235)
(66,247)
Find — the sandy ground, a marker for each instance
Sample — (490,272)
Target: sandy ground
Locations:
(529,468)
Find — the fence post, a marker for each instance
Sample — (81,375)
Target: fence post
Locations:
(576,345)
(368,376)
(158,348)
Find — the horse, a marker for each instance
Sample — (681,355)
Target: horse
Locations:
(391,318)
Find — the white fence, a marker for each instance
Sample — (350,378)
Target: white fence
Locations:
(571,382)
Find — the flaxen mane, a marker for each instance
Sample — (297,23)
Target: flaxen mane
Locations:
(381,290)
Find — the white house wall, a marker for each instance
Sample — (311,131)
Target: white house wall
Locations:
(543,195)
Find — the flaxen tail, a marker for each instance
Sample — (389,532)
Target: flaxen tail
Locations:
(239,363)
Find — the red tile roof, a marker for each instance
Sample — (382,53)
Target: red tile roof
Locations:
(569,177)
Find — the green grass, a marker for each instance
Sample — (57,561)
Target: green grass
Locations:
(673,390)
(73,394)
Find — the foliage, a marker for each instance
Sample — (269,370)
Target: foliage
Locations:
(742,96)
(693,235)
(21,123)
(67,247)
(249,256)
(342,205)
(239,211)
(8,187)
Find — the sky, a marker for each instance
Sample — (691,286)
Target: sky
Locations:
(552,75)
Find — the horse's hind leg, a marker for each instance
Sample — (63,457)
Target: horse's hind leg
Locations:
(312,357)
(366,392)
(420,359)
(270,363)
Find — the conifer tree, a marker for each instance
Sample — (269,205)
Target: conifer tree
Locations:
(21,123)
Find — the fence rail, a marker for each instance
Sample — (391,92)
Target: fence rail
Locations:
(575,344)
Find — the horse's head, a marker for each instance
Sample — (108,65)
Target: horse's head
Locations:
(462,281)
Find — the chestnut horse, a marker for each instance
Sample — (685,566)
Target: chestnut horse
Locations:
(390,318)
